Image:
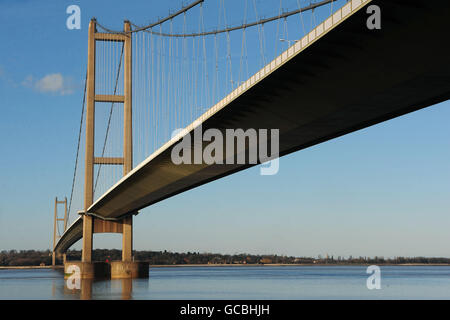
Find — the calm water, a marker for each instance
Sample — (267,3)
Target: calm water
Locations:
(296,282)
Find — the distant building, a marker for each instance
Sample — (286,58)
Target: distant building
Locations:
(265,260)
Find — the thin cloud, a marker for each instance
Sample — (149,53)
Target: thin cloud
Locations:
(54,83)
(28,82)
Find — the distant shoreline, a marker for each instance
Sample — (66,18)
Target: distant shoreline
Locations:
(240,265)
(292,265)
(30,267)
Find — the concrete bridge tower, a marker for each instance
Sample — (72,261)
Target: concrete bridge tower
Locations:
(126,268)
(56,233)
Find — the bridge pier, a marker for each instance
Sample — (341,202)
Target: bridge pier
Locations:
(129,269)
(125,269)
(104,270)
(87,270)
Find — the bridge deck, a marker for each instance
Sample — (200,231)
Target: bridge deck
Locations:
(340,78)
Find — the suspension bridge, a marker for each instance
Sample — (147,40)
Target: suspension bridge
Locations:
(315,71)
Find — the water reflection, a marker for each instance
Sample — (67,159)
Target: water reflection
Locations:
(127,288)
(96,289)
(124,286)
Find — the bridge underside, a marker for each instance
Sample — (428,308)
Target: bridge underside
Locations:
(349,79)
(72,235)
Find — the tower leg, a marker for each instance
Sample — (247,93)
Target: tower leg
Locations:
(86,255)
(127,268)
(127,239)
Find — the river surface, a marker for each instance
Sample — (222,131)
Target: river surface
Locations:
(252,282)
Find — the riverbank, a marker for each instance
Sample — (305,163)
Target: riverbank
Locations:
(30,267)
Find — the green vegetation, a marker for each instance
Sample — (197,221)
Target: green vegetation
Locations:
(25,258)
(35,258)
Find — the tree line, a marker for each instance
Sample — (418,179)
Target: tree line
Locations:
(36,257)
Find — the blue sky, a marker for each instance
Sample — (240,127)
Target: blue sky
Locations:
(384,190)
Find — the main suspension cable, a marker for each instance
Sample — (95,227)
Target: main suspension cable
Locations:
(312,6)
(78,145)
(159,22)
(246,25)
